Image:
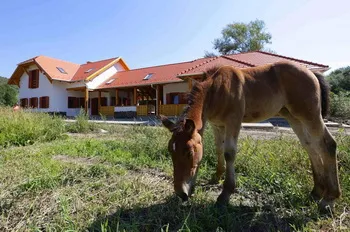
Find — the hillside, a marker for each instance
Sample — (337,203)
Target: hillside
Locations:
(8,93)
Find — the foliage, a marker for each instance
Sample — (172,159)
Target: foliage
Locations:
(240,37)
(20,128)
(8,93)
(340,105)
(122,181)
(339,80)
(81,124)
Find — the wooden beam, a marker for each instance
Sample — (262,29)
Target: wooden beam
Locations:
(157,100)
(116,97)
(189,84)
(86,101)
(77,89)
(99,101)
(135,96)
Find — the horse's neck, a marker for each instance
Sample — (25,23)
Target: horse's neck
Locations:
(196,110)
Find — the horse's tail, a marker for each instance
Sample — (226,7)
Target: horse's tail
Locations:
(324,94)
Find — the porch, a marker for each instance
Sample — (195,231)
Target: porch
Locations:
(128,102)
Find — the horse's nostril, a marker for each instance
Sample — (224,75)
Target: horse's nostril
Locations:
(183,196)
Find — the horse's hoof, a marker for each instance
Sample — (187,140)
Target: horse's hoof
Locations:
(315,197)
(223,199)
(326,207)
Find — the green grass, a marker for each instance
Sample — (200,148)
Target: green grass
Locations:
(22,128)
(122,181)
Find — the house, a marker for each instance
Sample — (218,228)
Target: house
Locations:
(109,87)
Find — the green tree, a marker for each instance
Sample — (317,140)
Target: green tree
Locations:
(339,80)
(241,37)
(8,93)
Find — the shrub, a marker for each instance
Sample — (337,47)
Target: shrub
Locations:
(81,124)
(340,105)
(20,128)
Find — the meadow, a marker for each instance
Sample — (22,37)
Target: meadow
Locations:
(54,180)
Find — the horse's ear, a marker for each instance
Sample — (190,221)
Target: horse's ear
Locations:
(189,126)
(167,123)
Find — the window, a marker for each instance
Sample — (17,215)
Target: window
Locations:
(61,70)
(89,70)
(44,102)
(103,101)
(148,76)
(33,102)
(33,82)
(72,102)
(110,81)
(176,98)
(24,102)
(76,102)
(81,102)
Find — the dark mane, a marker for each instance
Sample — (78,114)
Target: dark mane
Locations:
(211,71)
(193,96)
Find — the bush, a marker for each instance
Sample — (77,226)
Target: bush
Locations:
(81,124)
(20,128)
(340,105)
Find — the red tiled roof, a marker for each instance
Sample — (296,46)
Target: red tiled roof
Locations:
(71,71)
(82,73)
(51,65)
(160,74)
(257,58)
(169,73)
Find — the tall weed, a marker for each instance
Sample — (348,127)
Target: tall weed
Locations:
(20,128)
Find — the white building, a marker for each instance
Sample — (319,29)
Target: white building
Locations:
(110,88)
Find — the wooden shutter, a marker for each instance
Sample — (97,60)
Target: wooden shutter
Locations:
(113,101)
(71,102)
(24,102)
(30,80)
(103,101)
(76,102)
(33,81)
(44,102)
(183,98)
(168,99)
(81,102)
(34,102)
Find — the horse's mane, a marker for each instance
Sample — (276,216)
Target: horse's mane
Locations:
(196,94)
(210,72)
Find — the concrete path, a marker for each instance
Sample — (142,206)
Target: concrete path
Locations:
(155,122)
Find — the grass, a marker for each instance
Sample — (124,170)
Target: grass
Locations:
(122,181)
(22,128)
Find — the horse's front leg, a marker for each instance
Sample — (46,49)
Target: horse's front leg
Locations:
(219,134)
(230,150)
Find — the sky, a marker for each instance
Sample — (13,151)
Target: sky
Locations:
(154,32)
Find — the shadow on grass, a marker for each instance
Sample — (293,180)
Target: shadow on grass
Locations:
(174,216)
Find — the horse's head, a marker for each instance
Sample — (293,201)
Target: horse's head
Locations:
(186,149)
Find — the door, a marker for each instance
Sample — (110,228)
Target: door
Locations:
(94,106)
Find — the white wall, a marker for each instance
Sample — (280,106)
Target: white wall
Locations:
(104,76)
(57,93)
(174,88)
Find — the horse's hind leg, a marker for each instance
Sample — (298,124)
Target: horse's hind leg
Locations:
(321,147)
(315,159)
(325,145)
(219,134)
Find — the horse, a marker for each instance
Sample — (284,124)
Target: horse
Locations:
(228,96)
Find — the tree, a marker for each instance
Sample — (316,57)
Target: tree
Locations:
(8,93)
(241,37)
(339,80)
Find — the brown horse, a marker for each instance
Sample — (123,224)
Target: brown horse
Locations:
(229,96)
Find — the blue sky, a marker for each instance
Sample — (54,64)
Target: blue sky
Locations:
(147,33)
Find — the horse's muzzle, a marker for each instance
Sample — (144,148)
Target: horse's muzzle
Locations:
(183,196)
